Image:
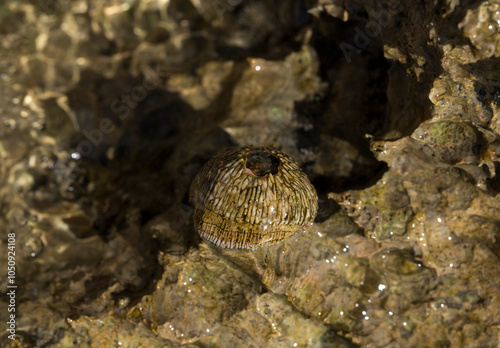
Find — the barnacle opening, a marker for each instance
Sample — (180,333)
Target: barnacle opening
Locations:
(262,163)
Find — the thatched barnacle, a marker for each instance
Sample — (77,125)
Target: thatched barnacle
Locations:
(250,197)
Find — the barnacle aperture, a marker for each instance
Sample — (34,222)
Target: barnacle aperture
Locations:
(250,197)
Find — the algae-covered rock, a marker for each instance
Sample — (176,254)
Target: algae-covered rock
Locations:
(451,142)
(383,210)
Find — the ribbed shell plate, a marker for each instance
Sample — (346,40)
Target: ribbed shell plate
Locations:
(235,209)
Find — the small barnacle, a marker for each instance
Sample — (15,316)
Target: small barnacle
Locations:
(250,197)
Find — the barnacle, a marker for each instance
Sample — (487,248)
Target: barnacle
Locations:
(250,197)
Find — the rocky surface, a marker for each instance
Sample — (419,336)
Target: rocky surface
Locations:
(109,109)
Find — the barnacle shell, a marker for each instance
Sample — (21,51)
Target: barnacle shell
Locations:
(250,197)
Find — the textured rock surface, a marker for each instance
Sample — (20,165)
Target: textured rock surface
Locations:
(108,110)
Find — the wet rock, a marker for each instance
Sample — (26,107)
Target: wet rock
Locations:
(261,110)
(451,142)
(383,210)
(480,26)
(405,276)
(87,331)
(187,303)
